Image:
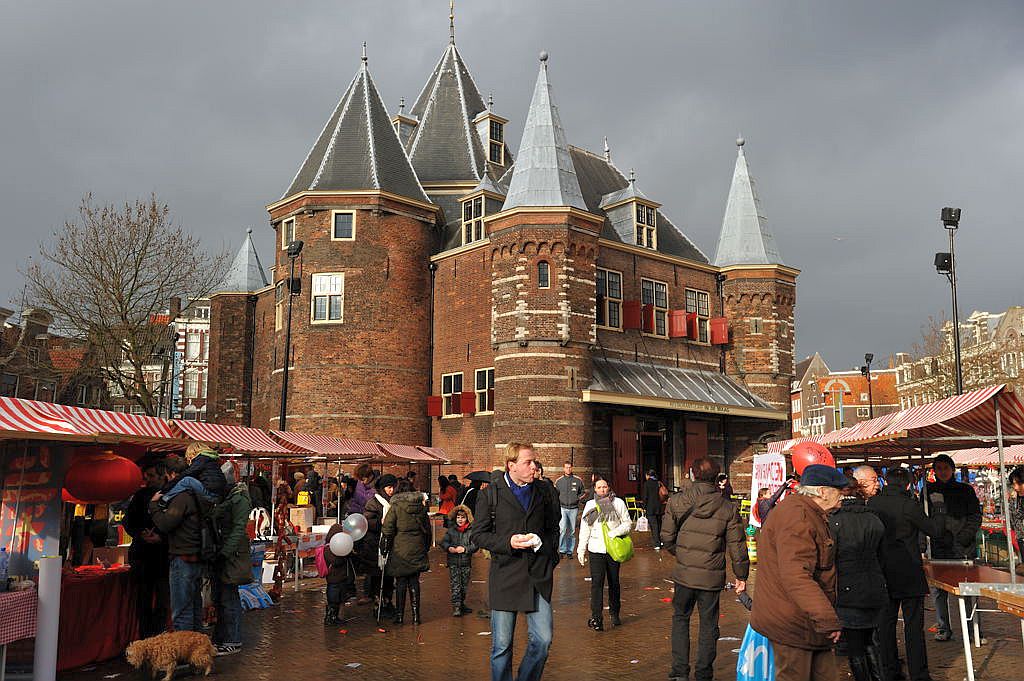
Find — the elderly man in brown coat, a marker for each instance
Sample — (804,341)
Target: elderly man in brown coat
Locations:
(700,527)
(796,579)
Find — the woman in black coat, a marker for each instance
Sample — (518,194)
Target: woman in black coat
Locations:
(861,592)
(406,532)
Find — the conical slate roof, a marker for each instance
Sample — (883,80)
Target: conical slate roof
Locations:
(246,271)
(358,148)
(544,174)
(445,144)
(745,238)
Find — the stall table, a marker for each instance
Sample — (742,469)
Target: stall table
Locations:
(961,579)
(17,620)
(98,618)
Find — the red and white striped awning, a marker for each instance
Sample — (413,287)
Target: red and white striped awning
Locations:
(405,454)
(114,426)
(988,456)
(325,445)
(241,440)
(783,446)
(437,453)
(23,419)
(959,414)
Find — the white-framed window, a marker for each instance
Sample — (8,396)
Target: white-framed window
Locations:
(700,302)
(193,345)
(138,410)
(496,147)
(863,397)
(33,354)
(543,274)
(230,404)
(81,394)
(45,390)
(796,424)
(343,225)
(609,298)
(287,232)
(646,226)
(756,325)
(280,297)
(202,384)
(201,313)
(473,220)
(189,413)
(863,412)
(9,385)
(328,298)
(451,392)
(484,385)
(656,293)
(191,387)
(796,405)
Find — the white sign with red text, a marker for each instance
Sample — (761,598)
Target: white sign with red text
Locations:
(769,471)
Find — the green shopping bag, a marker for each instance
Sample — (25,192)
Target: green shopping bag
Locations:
(619,548)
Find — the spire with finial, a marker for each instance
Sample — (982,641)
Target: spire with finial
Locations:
(451,21)
(745,238)
(632,175)
(401,106)
(364,58)
(490,102)
(607,151)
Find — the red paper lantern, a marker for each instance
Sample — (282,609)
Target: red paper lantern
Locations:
(102,478)
(806,453)
(66,497)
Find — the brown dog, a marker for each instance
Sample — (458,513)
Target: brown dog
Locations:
(163,652)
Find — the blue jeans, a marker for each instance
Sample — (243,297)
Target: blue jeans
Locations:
(942,611)
(192,485)
(503,628)
(229,613)
(186,595)
(567,530)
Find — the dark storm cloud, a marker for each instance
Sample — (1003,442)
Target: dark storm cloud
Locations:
(862,120)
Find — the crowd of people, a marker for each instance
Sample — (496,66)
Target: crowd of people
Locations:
(839,555)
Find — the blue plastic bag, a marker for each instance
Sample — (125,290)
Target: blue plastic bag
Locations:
(756,658)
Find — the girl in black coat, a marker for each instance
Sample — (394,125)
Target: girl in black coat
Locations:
(860,583)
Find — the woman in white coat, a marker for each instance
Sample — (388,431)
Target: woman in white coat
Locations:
(608,508)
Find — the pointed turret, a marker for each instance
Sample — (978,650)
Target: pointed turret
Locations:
(544,174)
(358,148)
(745,238)
(445,145)
(245,274)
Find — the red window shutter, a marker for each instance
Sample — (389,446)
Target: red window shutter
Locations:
(677,324)
(631,315)
(435,405)
(691,326)
(467,402)
(719,331)
(648,318)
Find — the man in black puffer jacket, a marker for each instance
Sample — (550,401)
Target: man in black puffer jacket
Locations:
(699,526)
(963,520)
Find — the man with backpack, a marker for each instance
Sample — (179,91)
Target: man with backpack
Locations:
(181,521)
(654,498)
(233,565)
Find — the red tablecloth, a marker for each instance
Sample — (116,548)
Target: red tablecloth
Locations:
(97,617)
(18,615)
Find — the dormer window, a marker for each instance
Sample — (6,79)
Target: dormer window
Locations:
(496,138)
(472,219)
(646,226)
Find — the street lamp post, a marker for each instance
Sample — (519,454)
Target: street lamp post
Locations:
(294,249)
(945,264)
(866,371)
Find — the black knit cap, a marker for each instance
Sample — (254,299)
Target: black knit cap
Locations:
(386,480)
(944,458)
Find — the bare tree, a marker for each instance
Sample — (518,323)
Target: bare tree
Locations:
(109,275)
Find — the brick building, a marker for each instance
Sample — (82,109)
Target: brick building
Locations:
(450,294)
(822,400)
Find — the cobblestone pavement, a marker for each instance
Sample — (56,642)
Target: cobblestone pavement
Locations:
(289,642)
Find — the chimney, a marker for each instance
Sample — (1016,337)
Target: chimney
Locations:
(175,308)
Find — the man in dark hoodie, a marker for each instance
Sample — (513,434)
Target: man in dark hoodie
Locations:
(148,551)
(700,525)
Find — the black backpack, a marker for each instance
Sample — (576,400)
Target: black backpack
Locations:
(210,540)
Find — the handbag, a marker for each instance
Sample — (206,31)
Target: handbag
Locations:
(756,661)
(642,524)
(619,548)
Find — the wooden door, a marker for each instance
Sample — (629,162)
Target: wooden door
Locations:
(624,452)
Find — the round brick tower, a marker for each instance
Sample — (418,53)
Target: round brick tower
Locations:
(360,326)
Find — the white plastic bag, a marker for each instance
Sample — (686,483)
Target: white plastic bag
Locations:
(642,525)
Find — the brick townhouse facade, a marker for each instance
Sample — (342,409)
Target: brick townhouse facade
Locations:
(822,400)
(452,295)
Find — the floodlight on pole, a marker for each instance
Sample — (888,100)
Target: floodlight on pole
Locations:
(866,372)
(945,264)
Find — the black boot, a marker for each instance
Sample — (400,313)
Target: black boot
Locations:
(875,666)
(399,603)
(331,615)
(414,599)
(859,668)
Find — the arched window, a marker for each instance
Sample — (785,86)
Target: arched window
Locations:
(543,274)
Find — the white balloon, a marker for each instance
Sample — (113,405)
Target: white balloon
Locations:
(355,526)
(341,544)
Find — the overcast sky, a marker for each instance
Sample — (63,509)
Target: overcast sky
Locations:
(862,120)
